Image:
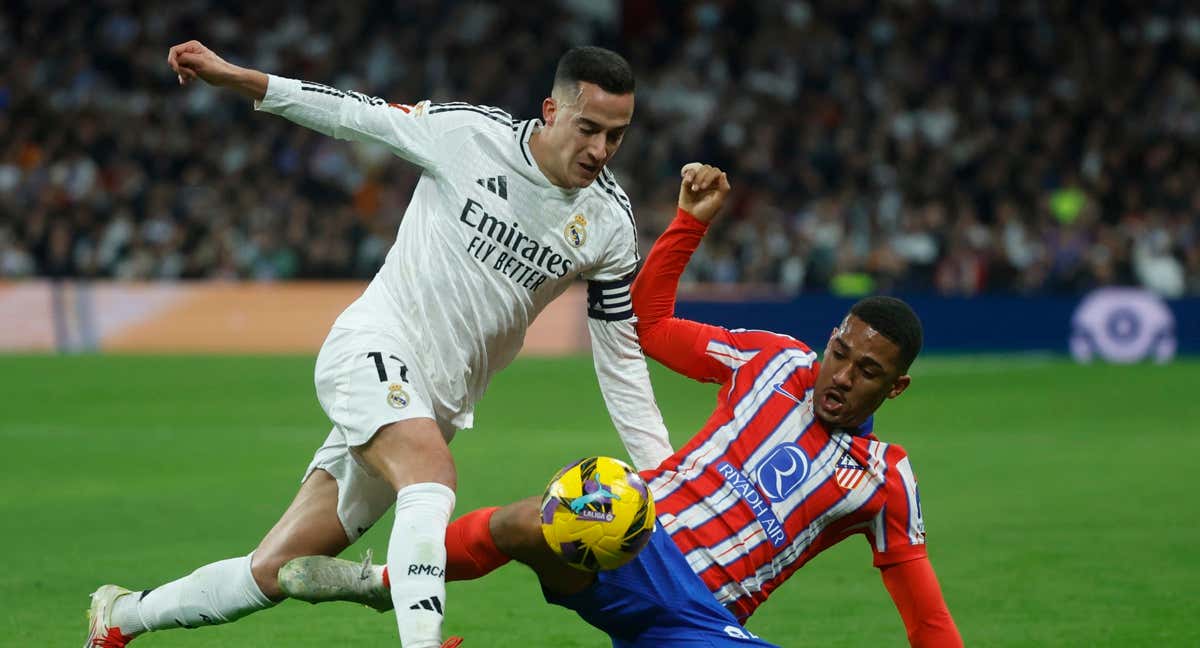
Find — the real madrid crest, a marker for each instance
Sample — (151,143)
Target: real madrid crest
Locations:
(397,397)
(576,231)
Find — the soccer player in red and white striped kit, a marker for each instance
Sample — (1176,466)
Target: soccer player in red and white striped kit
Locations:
(787,466)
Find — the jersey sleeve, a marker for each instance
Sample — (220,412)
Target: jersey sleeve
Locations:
(628,395)
(897,533)
(699,351)
(421,133)
(620,258)
(616,351)
(914,589)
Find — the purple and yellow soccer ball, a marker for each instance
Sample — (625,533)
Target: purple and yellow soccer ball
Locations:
(597,514)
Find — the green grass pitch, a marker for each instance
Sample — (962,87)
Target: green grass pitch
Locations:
(1060,500)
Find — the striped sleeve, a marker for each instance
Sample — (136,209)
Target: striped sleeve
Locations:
(897,533)
(418,132)
(699,351)
(619,260)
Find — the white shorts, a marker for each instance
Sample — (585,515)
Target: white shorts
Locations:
(365,380)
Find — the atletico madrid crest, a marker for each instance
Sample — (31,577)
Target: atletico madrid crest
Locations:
(849,473)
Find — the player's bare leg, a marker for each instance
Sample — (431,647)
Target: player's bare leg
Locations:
(310,526)
(227,590)
(413,457)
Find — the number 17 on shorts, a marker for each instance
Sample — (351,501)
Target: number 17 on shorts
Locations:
(364,383)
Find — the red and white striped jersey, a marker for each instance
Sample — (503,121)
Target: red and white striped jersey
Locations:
(765,486)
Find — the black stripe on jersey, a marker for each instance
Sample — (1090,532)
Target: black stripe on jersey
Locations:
(489,109)
(521,141)
(612,179)
(334,92)
(609,185)
(362,98)
(499,112)
(313,85)
(618,195)
(483,110)
(309,86)
(610,300)
(496,118)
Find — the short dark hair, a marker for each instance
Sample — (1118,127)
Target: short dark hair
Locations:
(894,320)
(597,65)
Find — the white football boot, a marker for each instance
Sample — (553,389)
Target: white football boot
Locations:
(318,579)
(100,632)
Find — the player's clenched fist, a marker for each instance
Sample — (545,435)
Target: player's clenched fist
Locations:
(192,60)
(702,190)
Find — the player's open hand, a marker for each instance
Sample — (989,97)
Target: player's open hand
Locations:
(192,60)
(703,190)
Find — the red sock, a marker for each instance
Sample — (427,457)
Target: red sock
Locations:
(470,550)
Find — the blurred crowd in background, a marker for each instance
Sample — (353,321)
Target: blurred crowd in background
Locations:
(957,147)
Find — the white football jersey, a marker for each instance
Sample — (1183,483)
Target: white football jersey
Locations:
(485,244)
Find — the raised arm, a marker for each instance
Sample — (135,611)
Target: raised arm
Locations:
(700,351)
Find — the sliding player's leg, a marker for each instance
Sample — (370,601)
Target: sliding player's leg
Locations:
(654,600)
(476,544)
(229,589)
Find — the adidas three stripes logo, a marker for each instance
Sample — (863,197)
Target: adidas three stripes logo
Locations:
(433,604)
(497,185)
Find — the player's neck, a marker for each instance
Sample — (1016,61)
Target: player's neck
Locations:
(537,146)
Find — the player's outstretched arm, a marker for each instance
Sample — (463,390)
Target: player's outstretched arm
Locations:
(192,60)
(406,130)
(914,589)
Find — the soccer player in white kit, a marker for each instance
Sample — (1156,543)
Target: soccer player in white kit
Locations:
(506,215)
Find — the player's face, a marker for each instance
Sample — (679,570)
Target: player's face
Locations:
(859,371)
(583,133)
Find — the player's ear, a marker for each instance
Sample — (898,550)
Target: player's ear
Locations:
(549,110)
(899,386)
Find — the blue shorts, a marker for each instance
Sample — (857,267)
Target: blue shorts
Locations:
(656,600)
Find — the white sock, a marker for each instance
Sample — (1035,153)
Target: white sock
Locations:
(416,559)
(218,593)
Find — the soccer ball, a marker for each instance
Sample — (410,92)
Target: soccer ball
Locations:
(597,514)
